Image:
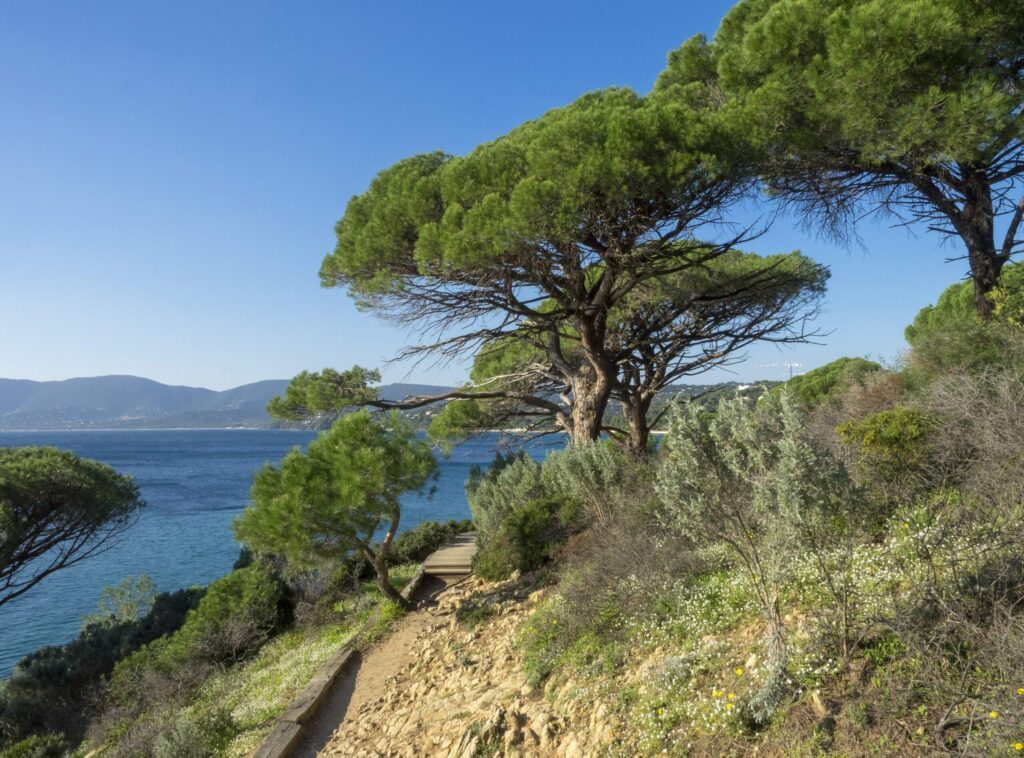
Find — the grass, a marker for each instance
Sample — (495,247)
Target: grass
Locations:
(233,710)
(259,691)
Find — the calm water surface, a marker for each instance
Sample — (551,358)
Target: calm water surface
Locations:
(194,483)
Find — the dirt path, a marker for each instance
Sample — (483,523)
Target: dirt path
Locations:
(367,674)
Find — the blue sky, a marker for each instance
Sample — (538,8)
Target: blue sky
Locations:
(170,174)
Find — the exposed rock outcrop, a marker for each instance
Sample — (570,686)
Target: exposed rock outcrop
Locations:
(466,694)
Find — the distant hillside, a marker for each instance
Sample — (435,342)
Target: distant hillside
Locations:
(131,402)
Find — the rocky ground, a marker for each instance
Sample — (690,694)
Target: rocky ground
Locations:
(462,693)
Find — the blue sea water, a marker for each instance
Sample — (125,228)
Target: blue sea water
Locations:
(194,483)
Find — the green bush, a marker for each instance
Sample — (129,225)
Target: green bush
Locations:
(527,539)
(825,383)
(748,480)
(492,494)
(37,746)
(594,477)
(49,690)
(891,451)
(194,736)
(236,615)
(950,335)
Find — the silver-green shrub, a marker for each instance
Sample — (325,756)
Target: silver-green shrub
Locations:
(493,494)
(596,475)
(745,477)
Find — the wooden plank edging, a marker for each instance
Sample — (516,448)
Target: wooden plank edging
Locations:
(288,728)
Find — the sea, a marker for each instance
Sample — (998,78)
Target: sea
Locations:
(194,483)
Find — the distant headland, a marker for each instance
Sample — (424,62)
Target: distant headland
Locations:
(132,402)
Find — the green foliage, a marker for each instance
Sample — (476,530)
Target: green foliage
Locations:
(825,383)
(50,690)
(326,391)
(527,538)
(892,446)
(415,545)
(195,736)
(459,419)
(330,501)
(595,476)
(847,103)
(53,502)
(950,335)
(746,477)
(37,746)
(926,78)
(234,617)
(128,601)
(582,221)
(510,480)
(747,480)
(535,183)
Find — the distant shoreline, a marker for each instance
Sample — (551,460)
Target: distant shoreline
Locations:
(161,429)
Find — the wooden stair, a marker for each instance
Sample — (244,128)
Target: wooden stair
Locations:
(455,559)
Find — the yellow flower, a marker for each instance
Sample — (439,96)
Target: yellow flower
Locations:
(1018,746)
(716,693)
(661,711)
(728,706)
(920,730)
(1020,690)
(993,714)
(739,672)
(732,696)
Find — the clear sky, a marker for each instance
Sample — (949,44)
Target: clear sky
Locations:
(170,174)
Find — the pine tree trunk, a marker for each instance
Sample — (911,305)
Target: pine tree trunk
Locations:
(986,266)
(590,400)
(977,230)
(639,427)
(384,584)
(379,561)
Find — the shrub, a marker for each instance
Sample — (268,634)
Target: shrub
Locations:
(891,451)
(236,615)
(825,383)
(950,335)
(747,479)
(37,746)
(529,537)
(128,601)
(188,736)
(595,476)
(492,494)
(979,436)
(51,689)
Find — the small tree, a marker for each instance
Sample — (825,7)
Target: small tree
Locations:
(57,510)
(128,601)
(336,497)
(745,478)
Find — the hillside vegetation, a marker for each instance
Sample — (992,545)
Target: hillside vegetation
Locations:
(834,568)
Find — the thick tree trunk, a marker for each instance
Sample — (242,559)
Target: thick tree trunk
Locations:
(589,402)
(639,427)
(986,266)
(977,229)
